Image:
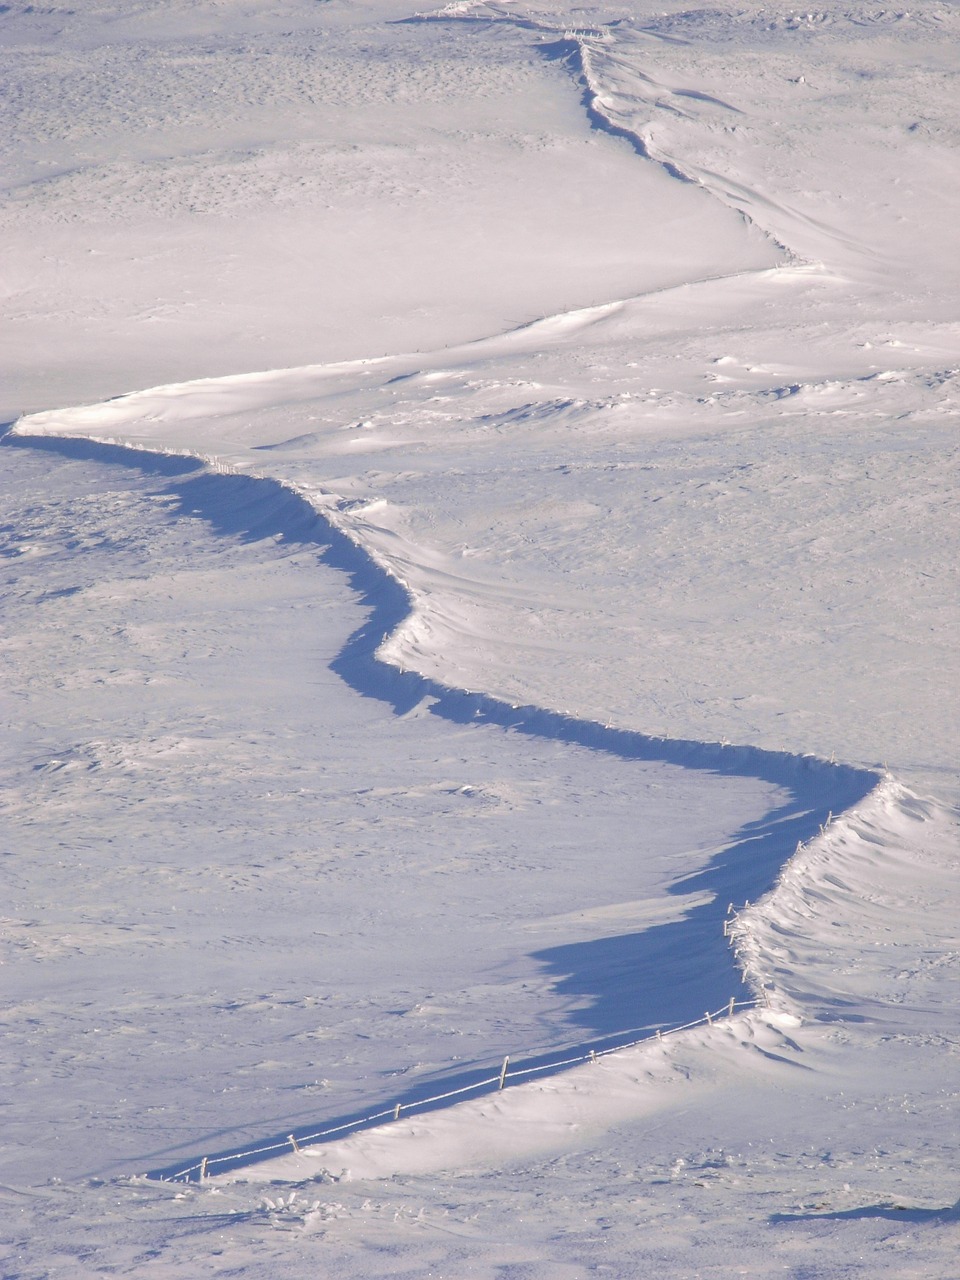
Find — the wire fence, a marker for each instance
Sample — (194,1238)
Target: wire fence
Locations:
(506,1074)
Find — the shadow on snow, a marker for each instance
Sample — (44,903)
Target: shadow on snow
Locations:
(664,976)
(892,1212)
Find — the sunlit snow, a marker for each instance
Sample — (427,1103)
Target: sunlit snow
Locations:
(479,539)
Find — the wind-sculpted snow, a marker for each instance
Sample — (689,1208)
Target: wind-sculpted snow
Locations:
(396,740)
(691,957)
(663,84)
(567,46)
(577,49)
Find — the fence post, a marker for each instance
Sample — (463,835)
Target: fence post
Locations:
(763,997)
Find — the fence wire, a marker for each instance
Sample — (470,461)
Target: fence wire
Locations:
(506,1074)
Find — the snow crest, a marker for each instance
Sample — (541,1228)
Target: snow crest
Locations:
(783,851)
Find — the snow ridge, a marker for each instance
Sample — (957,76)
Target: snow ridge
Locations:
(573,48)
(569,47)
(744,872)
(837,865)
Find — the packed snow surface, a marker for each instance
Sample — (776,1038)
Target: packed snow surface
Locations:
(494,596)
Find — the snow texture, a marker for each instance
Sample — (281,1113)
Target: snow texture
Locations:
(518,616)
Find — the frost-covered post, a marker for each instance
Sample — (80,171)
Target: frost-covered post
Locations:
(503,1071)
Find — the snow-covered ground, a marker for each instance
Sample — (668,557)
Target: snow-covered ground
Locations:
(558,641)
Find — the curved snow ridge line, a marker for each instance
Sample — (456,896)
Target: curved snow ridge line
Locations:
(365,662)
(573,46)
(257,504)
(565,44)
(871,844)
(203,398)
(508,1074)
(372,643)
(601,118)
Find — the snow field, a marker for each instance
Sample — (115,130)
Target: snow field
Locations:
(238,838)
(648,460)
(337,192)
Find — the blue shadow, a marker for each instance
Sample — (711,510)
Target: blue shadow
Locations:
(628,985)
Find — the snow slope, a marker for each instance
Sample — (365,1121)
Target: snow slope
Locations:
(673,460)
